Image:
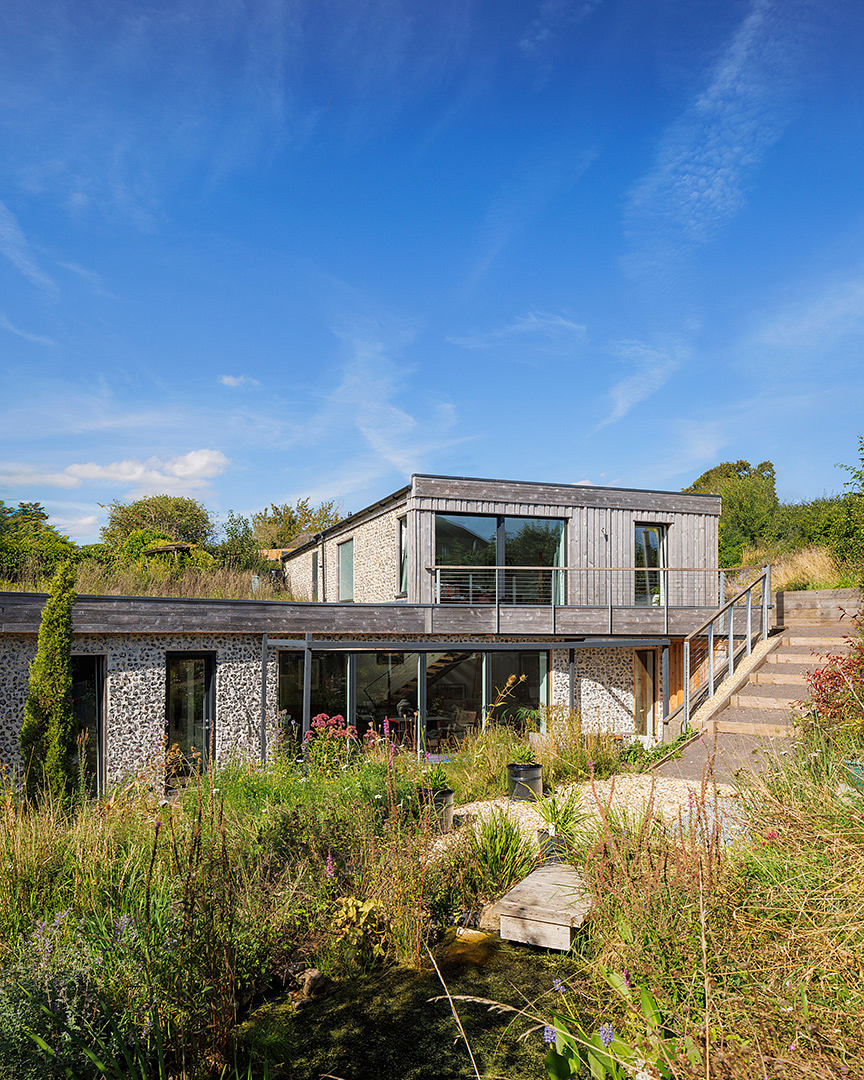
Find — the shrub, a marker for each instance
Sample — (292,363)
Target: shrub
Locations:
(47,737)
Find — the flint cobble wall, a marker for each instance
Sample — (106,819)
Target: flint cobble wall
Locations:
(376,558)
(603,691)
(135,686)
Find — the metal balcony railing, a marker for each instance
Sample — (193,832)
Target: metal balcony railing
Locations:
(581,586)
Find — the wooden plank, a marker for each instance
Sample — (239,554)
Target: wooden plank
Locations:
(443,489)
(529,932)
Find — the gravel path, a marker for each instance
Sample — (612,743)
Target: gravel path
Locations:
(631,793)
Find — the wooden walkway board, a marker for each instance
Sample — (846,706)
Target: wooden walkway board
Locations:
(545,908)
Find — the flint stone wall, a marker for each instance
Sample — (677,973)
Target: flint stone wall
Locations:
(603,690)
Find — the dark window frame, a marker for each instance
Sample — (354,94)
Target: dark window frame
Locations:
(210,658)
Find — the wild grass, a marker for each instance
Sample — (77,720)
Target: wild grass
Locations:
(171,917)
(811,567)
(219,583)
(748,932)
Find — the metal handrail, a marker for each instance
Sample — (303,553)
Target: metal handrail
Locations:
(732,652)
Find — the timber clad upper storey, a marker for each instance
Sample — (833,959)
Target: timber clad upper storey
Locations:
(451,540)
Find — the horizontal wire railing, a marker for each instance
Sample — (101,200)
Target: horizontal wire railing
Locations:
(713,648)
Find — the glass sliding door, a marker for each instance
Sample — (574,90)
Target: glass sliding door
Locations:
(649,561)
(474,544)
(329,691)
(532,542)
(190,708)
(465,541)
(527,693)
(454,692)
(88,685)
(386,685)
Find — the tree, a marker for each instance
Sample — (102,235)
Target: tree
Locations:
(30,548)
(276,526)
(239,548)
(180,519)
(47,737)
(749,504)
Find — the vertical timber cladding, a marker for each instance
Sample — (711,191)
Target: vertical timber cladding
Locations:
(600,531)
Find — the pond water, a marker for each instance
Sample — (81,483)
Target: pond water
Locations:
(382,1025)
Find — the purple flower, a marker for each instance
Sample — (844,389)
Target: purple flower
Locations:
(549,1034)
(607,1034)
(386,727)
(329,869)
(628,981)
(558,986)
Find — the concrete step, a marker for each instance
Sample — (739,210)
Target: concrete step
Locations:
(765,723)
(783,676)
(800,653)
(820,642)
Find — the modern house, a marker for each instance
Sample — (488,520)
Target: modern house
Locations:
(424,602)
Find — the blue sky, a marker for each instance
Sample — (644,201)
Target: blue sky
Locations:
(256,251)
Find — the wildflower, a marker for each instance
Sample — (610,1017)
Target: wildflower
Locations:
(157,825)
(627,979)
(329,868)
(772,835)
(549,1034)
(558,986)
(607,1034)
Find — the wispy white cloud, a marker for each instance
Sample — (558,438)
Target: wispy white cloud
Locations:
(552,18)
(16,248)
(236,382)
(93,279)
(36,339)
(650,369)
(187,472)
(87,523)
(817,322)
(706,157)
(555,329)
(521,198)
(18,474)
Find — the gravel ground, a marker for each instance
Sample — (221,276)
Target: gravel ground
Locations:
(632,793)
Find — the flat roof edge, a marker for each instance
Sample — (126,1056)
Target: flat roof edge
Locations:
(569,487)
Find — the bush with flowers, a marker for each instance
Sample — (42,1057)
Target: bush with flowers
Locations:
(329,743)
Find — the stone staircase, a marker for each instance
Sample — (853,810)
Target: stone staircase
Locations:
(764,704)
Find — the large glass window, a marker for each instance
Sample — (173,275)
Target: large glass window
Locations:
(88,680)
(454,692)
(527,694)
(526,549)
(291,694)
(190,707)
(346,570)
(649,560)
(386,687)
(329,692)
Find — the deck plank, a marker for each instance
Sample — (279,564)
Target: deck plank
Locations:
(545,907)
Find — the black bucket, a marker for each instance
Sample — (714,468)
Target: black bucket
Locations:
(526,782)
(442,803)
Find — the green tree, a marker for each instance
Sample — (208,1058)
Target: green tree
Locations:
(47,737)
(239,549)
(30,548)
(180,519)
(749,504)
(276,526)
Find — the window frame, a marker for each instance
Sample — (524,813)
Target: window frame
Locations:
(340,548)
(402,557)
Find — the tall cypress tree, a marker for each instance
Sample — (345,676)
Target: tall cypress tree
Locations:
(47,738)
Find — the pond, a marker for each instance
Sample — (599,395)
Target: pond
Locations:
(382,1025)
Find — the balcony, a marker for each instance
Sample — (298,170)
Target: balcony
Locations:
(576,599)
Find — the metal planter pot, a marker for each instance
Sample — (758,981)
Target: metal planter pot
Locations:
(441,801)
(525,782)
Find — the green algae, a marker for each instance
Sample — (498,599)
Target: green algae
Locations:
(383,1026)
